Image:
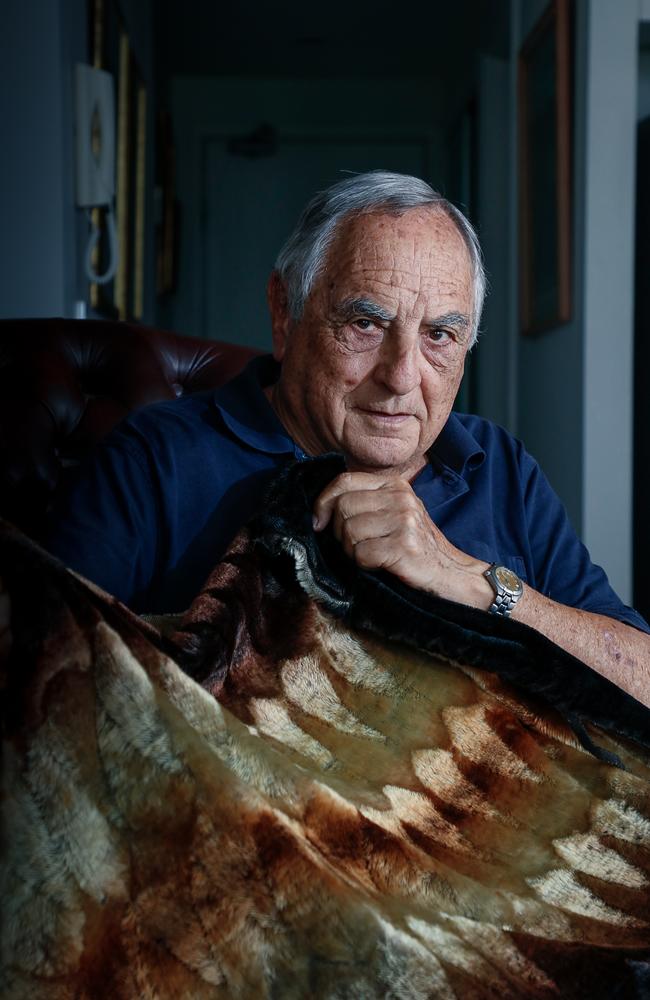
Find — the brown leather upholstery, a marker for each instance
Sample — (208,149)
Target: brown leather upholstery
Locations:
(64,384)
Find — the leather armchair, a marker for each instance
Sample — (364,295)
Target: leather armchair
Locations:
(64,384)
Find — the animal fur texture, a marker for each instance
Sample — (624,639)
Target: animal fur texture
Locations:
(304,792)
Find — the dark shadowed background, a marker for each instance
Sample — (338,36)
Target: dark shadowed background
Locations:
(266,102)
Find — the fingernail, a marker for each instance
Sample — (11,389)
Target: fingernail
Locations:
(315,522)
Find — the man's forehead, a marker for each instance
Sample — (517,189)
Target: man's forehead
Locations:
(424,239)
(419,252)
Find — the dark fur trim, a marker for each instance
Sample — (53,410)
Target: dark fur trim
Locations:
(383,605)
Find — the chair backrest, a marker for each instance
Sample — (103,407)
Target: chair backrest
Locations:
(64,384)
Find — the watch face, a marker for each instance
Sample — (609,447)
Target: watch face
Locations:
(507,578)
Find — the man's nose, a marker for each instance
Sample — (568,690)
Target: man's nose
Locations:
(398,365)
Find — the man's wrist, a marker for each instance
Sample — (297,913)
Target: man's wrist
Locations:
(468,585)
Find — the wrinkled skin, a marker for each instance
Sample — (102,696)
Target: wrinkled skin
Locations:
(372,370)
(377,390)
(376,381)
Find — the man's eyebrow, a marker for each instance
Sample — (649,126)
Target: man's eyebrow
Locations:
(364,307)
(450,319)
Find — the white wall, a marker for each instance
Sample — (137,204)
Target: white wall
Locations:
(611,119)
(643,102)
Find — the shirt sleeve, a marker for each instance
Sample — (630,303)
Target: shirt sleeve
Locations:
(561,566)
(105,526)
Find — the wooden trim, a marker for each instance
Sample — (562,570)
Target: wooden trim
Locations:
(140,203)
(97,214)
(122,207)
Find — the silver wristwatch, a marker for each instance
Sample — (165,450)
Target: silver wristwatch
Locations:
(508,588)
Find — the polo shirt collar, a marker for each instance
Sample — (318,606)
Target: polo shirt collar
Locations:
(248,414)
(456,449)
(443,479)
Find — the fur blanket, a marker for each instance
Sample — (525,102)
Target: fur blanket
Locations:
(322,784)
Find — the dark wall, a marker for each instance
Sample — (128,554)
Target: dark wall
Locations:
(42,233)
(38,45)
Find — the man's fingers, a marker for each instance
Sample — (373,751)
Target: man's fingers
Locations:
(347,482)
(349,505)
(353,492)
(350,531)
(373,553)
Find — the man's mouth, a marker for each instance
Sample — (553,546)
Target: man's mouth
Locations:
(385,416)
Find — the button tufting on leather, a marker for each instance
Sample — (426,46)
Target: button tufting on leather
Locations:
(64,384)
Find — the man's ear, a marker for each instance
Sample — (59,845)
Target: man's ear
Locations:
(276,296)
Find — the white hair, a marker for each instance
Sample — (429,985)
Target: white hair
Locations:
(304,254)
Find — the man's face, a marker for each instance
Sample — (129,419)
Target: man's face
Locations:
(374,364)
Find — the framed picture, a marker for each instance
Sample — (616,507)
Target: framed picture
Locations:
(123,297)
(128,292)
(545,172)
(100,27)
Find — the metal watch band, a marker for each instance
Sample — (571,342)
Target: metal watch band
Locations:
(505,597)
(502,605)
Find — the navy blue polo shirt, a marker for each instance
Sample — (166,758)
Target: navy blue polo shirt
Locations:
(156,506)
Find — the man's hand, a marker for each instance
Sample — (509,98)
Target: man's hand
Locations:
(381,524)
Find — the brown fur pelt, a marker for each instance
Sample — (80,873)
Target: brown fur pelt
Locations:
(318,812)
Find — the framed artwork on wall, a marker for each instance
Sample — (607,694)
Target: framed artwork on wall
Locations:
(545,173)
(128,293)
(100,296)
(122,298)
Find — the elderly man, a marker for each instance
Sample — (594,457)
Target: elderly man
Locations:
(375,302)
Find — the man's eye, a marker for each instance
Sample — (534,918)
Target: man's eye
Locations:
(440,336)
(363,323)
